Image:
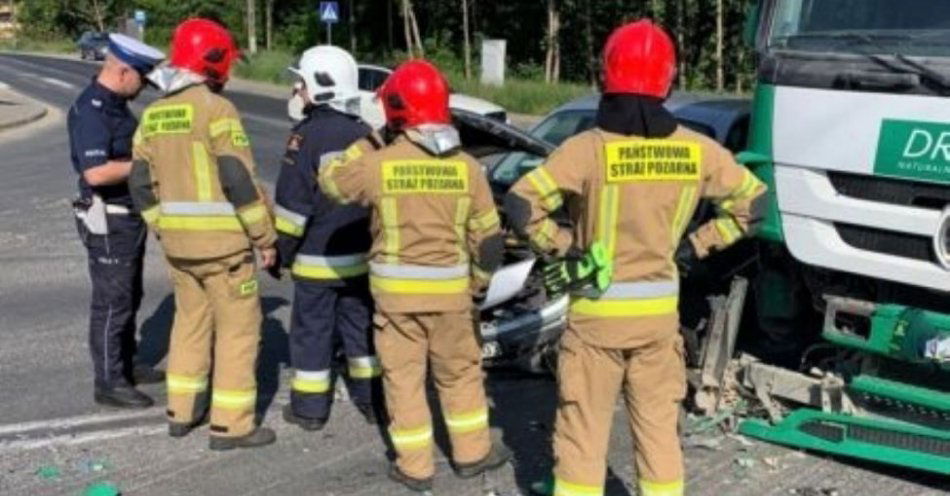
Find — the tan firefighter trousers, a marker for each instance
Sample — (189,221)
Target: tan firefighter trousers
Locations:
(652,379)
(405,343)
(217,311)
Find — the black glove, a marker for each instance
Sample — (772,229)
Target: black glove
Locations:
(578,271)
(686,258)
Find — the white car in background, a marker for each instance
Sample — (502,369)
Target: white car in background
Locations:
(371,77)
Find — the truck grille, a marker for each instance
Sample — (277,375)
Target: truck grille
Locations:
(888,242)
(893,191)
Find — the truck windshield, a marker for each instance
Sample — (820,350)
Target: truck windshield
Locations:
(908,27)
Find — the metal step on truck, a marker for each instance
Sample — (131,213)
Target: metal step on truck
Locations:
(850,288)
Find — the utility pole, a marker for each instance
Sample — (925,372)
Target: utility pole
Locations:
(252,26)
(270,24)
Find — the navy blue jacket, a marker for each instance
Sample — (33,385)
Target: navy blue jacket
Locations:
(101,127)
(323,242)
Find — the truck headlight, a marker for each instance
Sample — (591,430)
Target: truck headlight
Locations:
(942,240)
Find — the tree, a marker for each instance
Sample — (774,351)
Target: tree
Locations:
(552,58)
(252,26)
(269,15)
(466,43)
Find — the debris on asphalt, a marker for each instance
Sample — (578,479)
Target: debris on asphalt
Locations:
(773,462)
(48,472)
(102,489)
(707,443)
(811,491)
(90,466)
(745,461)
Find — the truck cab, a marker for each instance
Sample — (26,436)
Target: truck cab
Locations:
(851,129)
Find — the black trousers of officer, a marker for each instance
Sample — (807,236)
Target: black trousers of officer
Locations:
(115,267)
(322,317)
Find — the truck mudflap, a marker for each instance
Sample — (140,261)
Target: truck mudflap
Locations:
(867,438)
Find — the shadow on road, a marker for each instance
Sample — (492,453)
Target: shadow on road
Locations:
(274,351)
(155,331)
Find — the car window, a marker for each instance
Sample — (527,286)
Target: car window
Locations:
(555,129)
(371,79)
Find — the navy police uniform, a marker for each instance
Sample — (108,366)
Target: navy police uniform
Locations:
(325,246)
(100,130)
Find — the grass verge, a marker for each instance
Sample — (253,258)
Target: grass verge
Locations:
(50,46)
(523,96)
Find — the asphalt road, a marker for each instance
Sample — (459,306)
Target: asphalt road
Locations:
(55,440)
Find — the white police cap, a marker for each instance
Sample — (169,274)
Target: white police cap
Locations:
(141,57)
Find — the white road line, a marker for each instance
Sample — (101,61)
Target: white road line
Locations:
(4,86)
(72,439)
(58,82)
(77,421)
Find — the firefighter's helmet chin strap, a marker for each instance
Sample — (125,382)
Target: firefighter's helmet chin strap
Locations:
(437,139)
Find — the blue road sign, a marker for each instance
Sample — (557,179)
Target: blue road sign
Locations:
(330,12)
(140,16)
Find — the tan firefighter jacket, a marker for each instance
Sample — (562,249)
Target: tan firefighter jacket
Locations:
(193,177)
(636,196)
(433,222)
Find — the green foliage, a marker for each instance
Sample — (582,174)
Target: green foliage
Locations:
(522,96)
(270,66)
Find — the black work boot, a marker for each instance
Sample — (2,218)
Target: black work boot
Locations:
(260,436)
(146,374)
(305,423)
(413,484)
(179,429)
(496,457)
(122,397)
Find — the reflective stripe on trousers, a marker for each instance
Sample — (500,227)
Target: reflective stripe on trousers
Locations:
(367,367)
(565,488)
(289,222)
(419,279)
(629,299)
(332,267)
(311,381)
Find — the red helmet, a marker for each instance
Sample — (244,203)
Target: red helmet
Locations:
(204,47)
(639,58)
(415,93)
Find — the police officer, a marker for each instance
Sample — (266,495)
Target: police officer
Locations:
(435,235)
(630,186)
(325,245)
(100,136)
(194,181)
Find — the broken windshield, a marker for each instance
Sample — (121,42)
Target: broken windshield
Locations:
(908,27)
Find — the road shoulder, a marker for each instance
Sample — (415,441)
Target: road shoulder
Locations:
(17,110)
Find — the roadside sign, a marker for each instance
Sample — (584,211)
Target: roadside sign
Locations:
(140,17)
(330,12)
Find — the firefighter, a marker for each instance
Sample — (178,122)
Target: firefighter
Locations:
(436,238)
(100,137)
(325,245)
(630,186)
(194,181)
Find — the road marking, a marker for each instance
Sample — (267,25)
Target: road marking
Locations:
(4,86)
(10,430)
(57,82)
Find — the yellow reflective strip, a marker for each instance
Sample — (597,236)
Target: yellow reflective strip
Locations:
(479,274)
(467,422)
(253,214)
(182,384)
(607,219)
(233,400)
(389,212)
(484,222)
(462,208)
(193,223)
(411,438)
(728,229)
(546,187)
(225,125)
(137,138)
(199,156)
(420,286)
(543,238)
(310,385)
(361,372)
(675,488)
(683,211)
(564,488)
(287,227)
(625,308)
(315,272)
(747,188)
(150,215)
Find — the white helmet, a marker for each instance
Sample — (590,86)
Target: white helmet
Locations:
(331,77)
